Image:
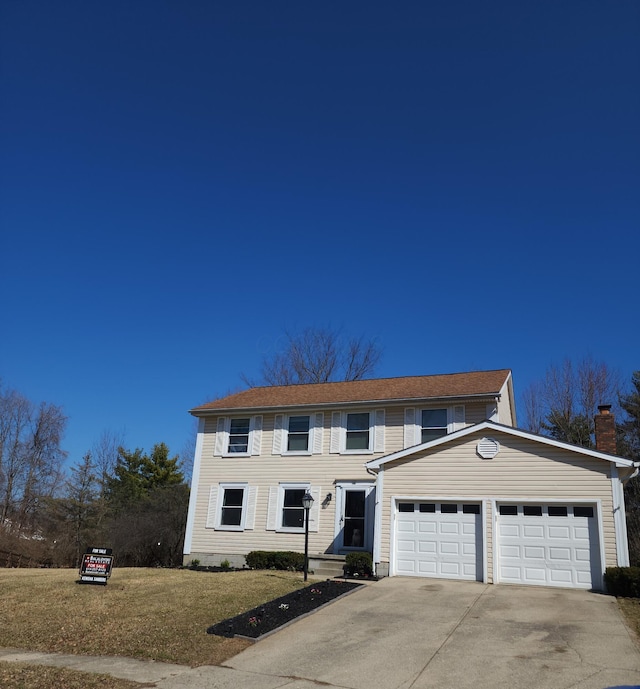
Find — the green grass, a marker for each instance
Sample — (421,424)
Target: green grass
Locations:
(152,614)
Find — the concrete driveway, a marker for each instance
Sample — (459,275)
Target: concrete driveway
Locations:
(417,633)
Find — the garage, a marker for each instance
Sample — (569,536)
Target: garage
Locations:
(549,545)
(439,539)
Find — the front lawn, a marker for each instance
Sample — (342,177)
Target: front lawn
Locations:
(23,676)
(157,614)
(631,610)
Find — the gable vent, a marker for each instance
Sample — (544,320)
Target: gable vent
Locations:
(488,448)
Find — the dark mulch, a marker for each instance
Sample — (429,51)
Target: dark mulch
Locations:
(278,612)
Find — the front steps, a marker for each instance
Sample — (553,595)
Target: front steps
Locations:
(326,566)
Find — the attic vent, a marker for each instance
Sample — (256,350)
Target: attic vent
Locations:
(488,448)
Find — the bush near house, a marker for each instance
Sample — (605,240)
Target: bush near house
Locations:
(358,564)
(284,560)
(623,581)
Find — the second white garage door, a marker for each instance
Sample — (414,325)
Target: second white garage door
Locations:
(549,545)
(439,539)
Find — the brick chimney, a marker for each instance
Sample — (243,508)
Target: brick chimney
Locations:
(605,430)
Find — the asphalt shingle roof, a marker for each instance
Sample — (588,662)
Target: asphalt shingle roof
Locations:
(476,383)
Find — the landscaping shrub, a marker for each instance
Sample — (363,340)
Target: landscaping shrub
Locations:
(282,559)
(359,564)
(623,581)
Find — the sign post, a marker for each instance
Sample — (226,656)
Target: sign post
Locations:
(96,566)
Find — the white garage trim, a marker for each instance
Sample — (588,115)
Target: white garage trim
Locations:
(377,519)
(480,558)
(619,519)
(573,567)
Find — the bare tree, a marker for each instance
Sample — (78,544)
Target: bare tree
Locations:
(30,457)
(565,401)
(43,458)
(104,454)
(319,355)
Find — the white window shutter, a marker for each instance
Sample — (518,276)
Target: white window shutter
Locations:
(272,512)
(314,512)
(458,417)
(336,432)
(278,434)
(211,511)
(250,518)
(378,431)
(409,427)
(492,412)
(222,437)
(255,433)
(318,432)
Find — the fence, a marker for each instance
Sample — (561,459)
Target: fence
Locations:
(9,559)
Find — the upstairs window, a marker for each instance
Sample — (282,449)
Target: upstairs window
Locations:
(427,425)
(434,424)
(298,436)
(239,436)
(361,432)
(358,431)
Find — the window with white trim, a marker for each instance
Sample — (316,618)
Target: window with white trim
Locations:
(285,511)
(434,424)
(239,436)
(361,432)
(292,509)
(298,434)
(358,436)
(231,507)
(425,425)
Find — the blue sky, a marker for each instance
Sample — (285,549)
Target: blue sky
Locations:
(181,181)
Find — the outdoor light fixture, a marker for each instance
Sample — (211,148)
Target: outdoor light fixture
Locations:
(307,501)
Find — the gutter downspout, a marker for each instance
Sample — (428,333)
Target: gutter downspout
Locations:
(620,514)
(377,517)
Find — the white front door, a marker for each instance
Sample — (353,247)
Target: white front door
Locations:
(354,517)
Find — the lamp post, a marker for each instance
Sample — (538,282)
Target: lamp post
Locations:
(307,501)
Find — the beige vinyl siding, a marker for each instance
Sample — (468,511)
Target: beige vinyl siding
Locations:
(506,414)
(475,413)
(267,470)
(522,470)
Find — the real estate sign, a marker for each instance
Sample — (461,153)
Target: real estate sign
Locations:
(96,565)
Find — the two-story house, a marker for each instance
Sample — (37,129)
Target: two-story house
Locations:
(428,473)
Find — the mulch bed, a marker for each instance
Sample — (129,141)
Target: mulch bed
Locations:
(276,613)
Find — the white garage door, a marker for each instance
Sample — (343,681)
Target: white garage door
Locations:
(439,539)
(549,545)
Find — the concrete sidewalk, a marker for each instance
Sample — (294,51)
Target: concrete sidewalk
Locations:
(405,633)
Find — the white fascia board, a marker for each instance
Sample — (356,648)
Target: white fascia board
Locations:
(499,428)
(508,388)
(193,493)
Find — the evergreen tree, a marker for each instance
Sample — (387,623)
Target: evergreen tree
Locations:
(148,500)
(630,427)
(138,474)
